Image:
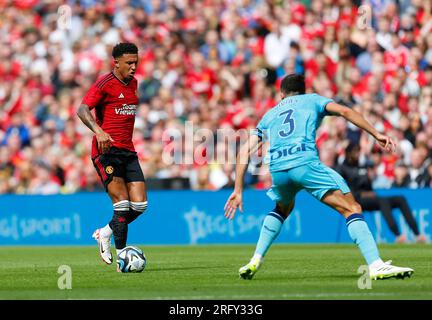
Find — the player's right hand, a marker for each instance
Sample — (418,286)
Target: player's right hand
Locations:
(234,201)
(104,141)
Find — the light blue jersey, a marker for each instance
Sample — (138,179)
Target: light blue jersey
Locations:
(290,127)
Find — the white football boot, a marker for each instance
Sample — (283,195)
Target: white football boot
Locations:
(104,244)
(387,270)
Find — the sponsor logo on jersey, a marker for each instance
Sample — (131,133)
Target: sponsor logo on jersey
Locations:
(121,96)
(127,109)
(280,153)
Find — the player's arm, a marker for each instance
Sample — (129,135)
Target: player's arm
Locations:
(357,119)
(235,201)
(104,139)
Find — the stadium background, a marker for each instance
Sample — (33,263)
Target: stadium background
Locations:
(215,64)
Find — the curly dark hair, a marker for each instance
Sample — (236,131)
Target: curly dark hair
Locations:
(293,83)
(124,48)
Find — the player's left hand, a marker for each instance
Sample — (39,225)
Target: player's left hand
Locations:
(386,142)
(234,201)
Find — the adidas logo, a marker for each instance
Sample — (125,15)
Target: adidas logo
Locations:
(121,95)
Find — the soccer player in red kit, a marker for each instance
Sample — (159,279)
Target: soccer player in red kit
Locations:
(114,98)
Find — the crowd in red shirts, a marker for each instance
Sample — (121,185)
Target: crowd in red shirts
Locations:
(210,69)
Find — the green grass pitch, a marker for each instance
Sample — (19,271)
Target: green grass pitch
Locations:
(290,272)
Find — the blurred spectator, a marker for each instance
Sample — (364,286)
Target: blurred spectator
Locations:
(42,181)
(276,45)
(402,179)
(359,180)
(328,155)
(427,181)
(215,64)
(417,170)
(17,128)
(344,96)
(203,179)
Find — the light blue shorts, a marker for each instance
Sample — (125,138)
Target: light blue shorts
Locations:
(315,177)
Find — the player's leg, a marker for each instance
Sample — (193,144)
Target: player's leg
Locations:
(271,228)
(118,193)
(362,237)
(109,169)
(358,230)
(136,188)
(138,199)
(283,193)
(328,186)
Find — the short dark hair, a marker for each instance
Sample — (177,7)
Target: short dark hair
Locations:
(293,83)
(124,48)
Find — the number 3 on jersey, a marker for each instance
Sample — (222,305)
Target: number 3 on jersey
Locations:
(287,121)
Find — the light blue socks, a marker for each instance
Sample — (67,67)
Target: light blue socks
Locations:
(362,237)
(270,229)
(357,229)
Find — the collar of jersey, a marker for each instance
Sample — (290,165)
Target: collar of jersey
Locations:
(122,82)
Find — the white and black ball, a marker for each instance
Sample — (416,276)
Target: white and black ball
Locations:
(131,259)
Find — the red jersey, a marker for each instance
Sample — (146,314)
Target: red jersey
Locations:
(116,105)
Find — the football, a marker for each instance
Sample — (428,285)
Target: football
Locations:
(131,259)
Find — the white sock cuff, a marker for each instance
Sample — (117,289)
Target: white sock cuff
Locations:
(277,216)
(138,206)
(122,205)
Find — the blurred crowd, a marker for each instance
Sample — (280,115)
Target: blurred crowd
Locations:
(215,64)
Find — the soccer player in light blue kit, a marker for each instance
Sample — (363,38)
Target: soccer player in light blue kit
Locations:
(290,127)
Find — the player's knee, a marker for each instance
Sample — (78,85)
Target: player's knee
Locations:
(115,198)
(140,206)
(284,211)
(352,208)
